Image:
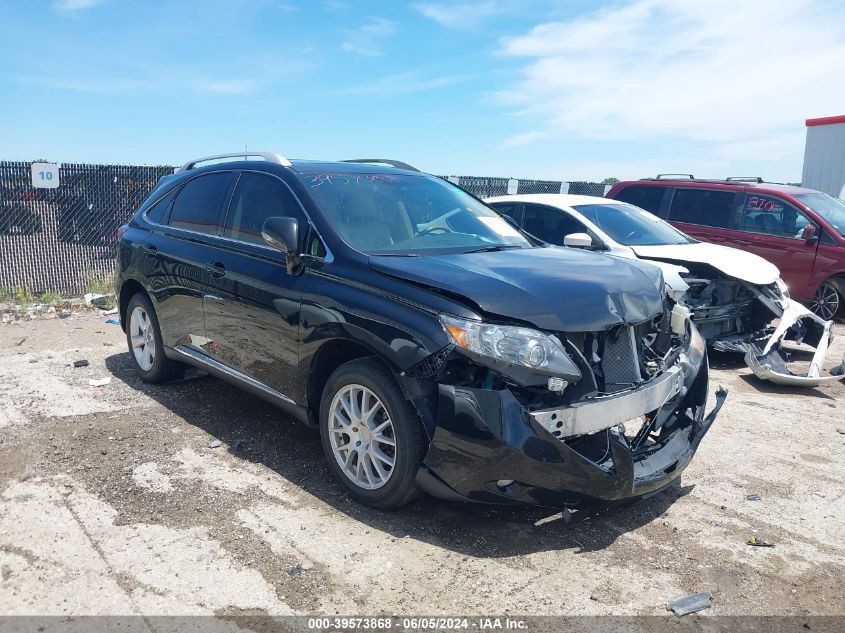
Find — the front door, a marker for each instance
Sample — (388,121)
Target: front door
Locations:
(252,313)
(772,228)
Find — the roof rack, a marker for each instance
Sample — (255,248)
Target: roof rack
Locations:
(756,179)
(669,176)
(382,161)
(270,157)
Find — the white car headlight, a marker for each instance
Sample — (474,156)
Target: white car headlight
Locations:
(511,344)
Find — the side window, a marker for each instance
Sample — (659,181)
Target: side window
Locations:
(702,206)
(197,206)
(256,198)
(158,212)
(506,209)
(648,198)
(549,224)
(772,216)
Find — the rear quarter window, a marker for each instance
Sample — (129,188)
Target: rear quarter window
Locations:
(158,212)
(648,198)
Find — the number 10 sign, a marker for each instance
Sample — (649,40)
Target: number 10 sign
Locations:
(45,175)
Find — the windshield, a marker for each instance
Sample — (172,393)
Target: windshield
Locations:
(830,208)
(630,225)
(387,214)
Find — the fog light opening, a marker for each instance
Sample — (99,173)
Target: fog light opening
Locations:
(503,484)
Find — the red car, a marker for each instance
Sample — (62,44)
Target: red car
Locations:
(801,231)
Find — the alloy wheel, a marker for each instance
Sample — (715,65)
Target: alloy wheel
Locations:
(143,338)
(826,302)
(362,437)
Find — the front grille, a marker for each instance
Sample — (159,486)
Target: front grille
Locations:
(620,363)
(613,356)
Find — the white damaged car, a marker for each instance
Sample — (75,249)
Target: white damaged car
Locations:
(733,296)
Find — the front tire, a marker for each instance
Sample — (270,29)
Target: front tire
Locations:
(146,348)
(827,302)
(371,435)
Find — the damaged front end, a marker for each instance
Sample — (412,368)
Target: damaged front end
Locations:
(621,419)
(734,315)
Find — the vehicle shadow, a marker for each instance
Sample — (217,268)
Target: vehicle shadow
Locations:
(725,360)
(255,431)
(764,386)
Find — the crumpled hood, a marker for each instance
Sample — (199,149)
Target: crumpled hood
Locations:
(731,261)
(553,288)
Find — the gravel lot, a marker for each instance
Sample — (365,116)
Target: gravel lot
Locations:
(112,502)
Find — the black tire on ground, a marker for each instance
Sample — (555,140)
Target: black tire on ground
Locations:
(163,369)
(829,296)
(411,442)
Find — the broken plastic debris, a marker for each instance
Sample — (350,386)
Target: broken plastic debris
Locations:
(770,362)
(113,322)
(215,444)
(99,382)
(758,542)
(691,603)
(80,363)
(753,497)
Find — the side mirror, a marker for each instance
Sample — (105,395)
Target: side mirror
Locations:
(578,240)
(809,233)
(282,233)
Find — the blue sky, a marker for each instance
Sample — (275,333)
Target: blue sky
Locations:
(534,89)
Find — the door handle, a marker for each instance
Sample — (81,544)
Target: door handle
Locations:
(217,269)
(150,250)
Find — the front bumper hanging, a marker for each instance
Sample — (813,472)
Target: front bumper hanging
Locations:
(485,436)
(769,361)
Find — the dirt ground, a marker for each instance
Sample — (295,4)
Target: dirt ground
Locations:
(113,502)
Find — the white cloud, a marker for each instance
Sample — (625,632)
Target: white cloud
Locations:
(526,138)
(460,15)
(402,83)
(172,81)
(226,86)
(75,5)
(726,72)
(366,39)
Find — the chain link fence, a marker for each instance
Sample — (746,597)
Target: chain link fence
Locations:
(63,239)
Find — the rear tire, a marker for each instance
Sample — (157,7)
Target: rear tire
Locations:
(146,347)
(371,435)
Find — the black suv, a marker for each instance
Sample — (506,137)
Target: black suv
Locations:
(435,346)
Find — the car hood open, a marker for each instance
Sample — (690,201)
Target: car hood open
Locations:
(731,261)
(552,288)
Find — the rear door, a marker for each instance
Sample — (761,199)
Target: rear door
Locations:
(771,227)
(252,314)
(176,255)
(550,224)
(705,214)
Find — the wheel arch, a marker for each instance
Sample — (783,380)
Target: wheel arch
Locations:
(332,354)
(128,289)
(837,280)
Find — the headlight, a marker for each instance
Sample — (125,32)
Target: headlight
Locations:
(782,287)
(511,344)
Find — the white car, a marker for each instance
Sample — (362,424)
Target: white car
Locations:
(733,295)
